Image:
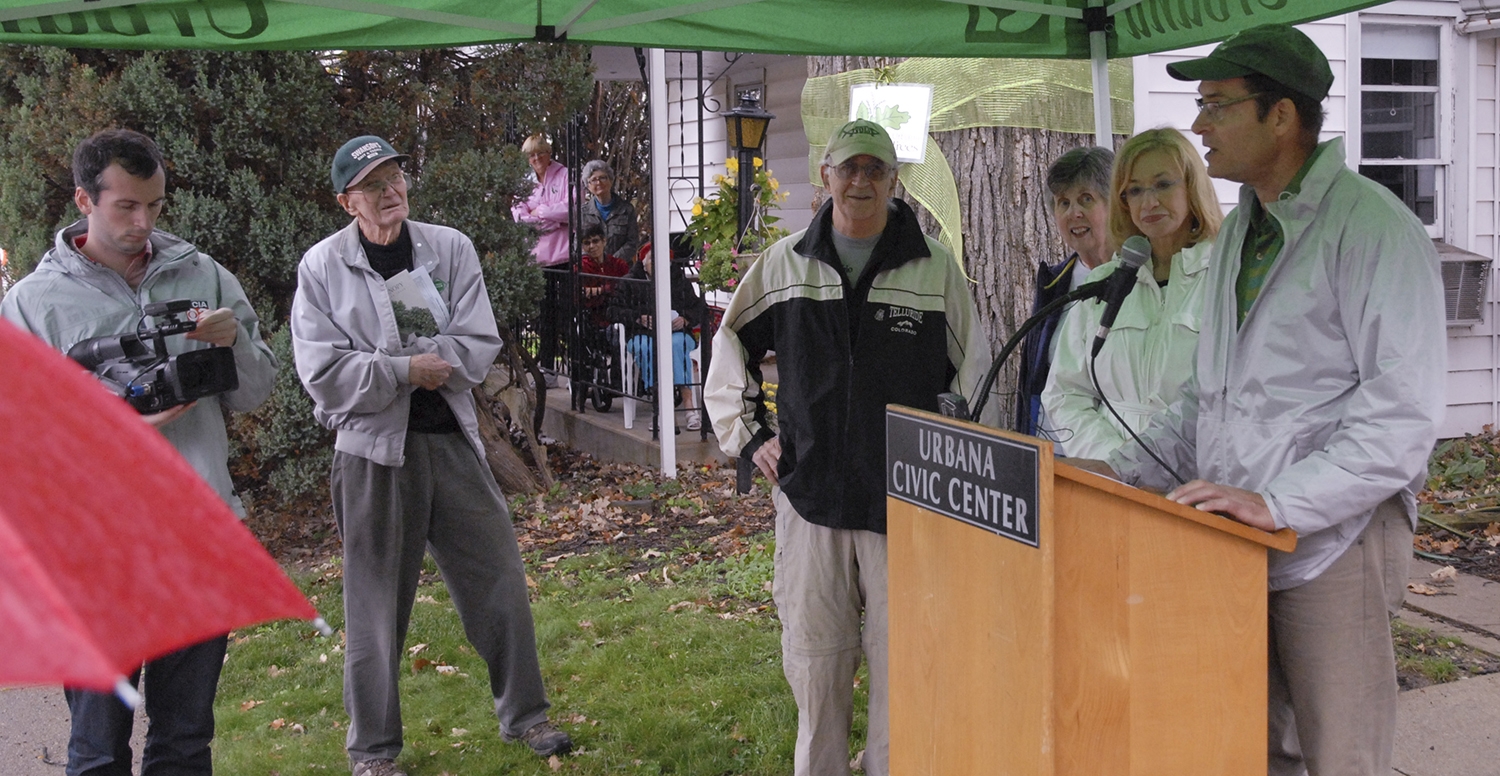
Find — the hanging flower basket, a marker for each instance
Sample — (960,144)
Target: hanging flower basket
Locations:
(724,267)
(715,222)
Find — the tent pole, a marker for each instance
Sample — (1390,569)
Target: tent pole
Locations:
(661,257)
(1103,120)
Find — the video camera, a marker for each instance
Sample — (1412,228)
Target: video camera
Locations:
(136,366)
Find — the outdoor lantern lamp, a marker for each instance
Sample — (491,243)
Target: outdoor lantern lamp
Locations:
(746,127)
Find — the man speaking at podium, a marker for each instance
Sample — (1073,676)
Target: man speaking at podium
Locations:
(1318,389)
(862,310)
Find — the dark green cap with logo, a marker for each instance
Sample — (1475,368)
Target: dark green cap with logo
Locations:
(356,158)
(1279,52)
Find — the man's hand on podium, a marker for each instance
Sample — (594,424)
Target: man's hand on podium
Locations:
(766,457)
(1242,505)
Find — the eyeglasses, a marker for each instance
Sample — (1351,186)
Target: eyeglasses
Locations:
(1214,111)
(375,188)
(598,179)
(1158,190)
(875,172)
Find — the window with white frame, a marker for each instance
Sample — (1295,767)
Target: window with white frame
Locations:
(1401,114)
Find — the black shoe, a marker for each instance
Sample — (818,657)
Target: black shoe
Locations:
(544,738)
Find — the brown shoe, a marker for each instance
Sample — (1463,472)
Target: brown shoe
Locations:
(544,738)
(377,768)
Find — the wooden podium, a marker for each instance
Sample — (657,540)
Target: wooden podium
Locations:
(1125,634)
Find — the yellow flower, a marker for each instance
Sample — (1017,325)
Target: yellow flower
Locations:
(732,164)
(758,163)
(719,180)
(774,185)
(697,208)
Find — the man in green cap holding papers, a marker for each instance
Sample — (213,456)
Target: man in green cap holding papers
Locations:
(1318,390)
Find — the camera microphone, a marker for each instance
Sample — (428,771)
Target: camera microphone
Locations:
(1135,252)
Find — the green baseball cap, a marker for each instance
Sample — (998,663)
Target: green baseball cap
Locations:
(356,158)
(861,137)
(1279,52)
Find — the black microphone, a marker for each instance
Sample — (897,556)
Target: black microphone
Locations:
(1135,252)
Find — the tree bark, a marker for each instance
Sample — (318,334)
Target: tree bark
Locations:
(505,463)
(1005,214)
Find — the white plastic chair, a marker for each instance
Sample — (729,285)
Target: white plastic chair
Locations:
(629,375)
(697,379)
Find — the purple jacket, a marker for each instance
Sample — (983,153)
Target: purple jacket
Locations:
(547,210)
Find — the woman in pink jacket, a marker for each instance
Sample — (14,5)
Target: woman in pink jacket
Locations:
(547,207)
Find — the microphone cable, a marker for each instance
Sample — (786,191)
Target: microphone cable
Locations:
(1094,376)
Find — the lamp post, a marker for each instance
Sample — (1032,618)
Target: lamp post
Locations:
(746,126)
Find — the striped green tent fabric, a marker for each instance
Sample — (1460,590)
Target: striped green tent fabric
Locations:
(921,28)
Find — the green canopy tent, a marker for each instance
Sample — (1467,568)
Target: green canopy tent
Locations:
(1074,29)
(1098,30)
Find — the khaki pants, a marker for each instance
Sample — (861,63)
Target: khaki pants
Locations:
(1332,668)
(825,578)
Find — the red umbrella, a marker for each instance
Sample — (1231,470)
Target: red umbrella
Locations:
(112,550)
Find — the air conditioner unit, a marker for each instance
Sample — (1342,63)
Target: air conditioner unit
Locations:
(1466,282)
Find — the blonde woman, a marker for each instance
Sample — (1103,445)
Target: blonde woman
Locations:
(547,207)
(1160,190)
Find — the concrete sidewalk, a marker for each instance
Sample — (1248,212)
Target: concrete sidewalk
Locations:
(34,732)
(1452,729)
(1444,730)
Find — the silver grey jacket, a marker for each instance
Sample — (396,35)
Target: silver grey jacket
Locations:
(68,298)
(351,357)
(1326,400)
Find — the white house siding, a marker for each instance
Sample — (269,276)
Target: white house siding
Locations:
(1469,77)
(786,147)
(1474,352)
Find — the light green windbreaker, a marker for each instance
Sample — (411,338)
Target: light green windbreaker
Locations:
(69,298)
(1326,401)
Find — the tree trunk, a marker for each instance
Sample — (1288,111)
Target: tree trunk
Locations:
(1005,210)
(505,463)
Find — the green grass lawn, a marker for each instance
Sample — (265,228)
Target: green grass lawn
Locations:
(649,672)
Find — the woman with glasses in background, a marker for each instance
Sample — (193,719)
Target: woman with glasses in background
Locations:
(614,215)
(1159,190)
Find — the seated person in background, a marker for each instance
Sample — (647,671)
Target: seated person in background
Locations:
(1077,182)
(1160,190)
(632,305)
(614,215)
(594,291)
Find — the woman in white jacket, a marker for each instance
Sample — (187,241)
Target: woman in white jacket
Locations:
(1160,190)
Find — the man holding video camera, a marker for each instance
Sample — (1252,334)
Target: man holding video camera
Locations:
(101,274)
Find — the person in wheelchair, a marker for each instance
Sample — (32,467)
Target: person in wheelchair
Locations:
(632,305)
(600,371)
(595,290)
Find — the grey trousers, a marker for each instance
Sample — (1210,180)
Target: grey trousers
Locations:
(826,578)
(443,498)
(1332,667)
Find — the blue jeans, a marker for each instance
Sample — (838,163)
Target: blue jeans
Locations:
(180,690)
(682,364)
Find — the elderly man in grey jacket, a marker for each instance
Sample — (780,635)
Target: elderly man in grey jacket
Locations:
(391,328)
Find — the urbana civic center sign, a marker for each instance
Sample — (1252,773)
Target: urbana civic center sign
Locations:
(987,481)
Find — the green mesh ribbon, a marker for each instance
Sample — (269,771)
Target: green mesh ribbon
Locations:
(1037,93)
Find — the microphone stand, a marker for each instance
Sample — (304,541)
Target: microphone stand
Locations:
(1085,291)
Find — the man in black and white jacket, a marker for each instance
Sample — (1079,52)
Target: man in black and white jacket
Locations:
(862,310)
